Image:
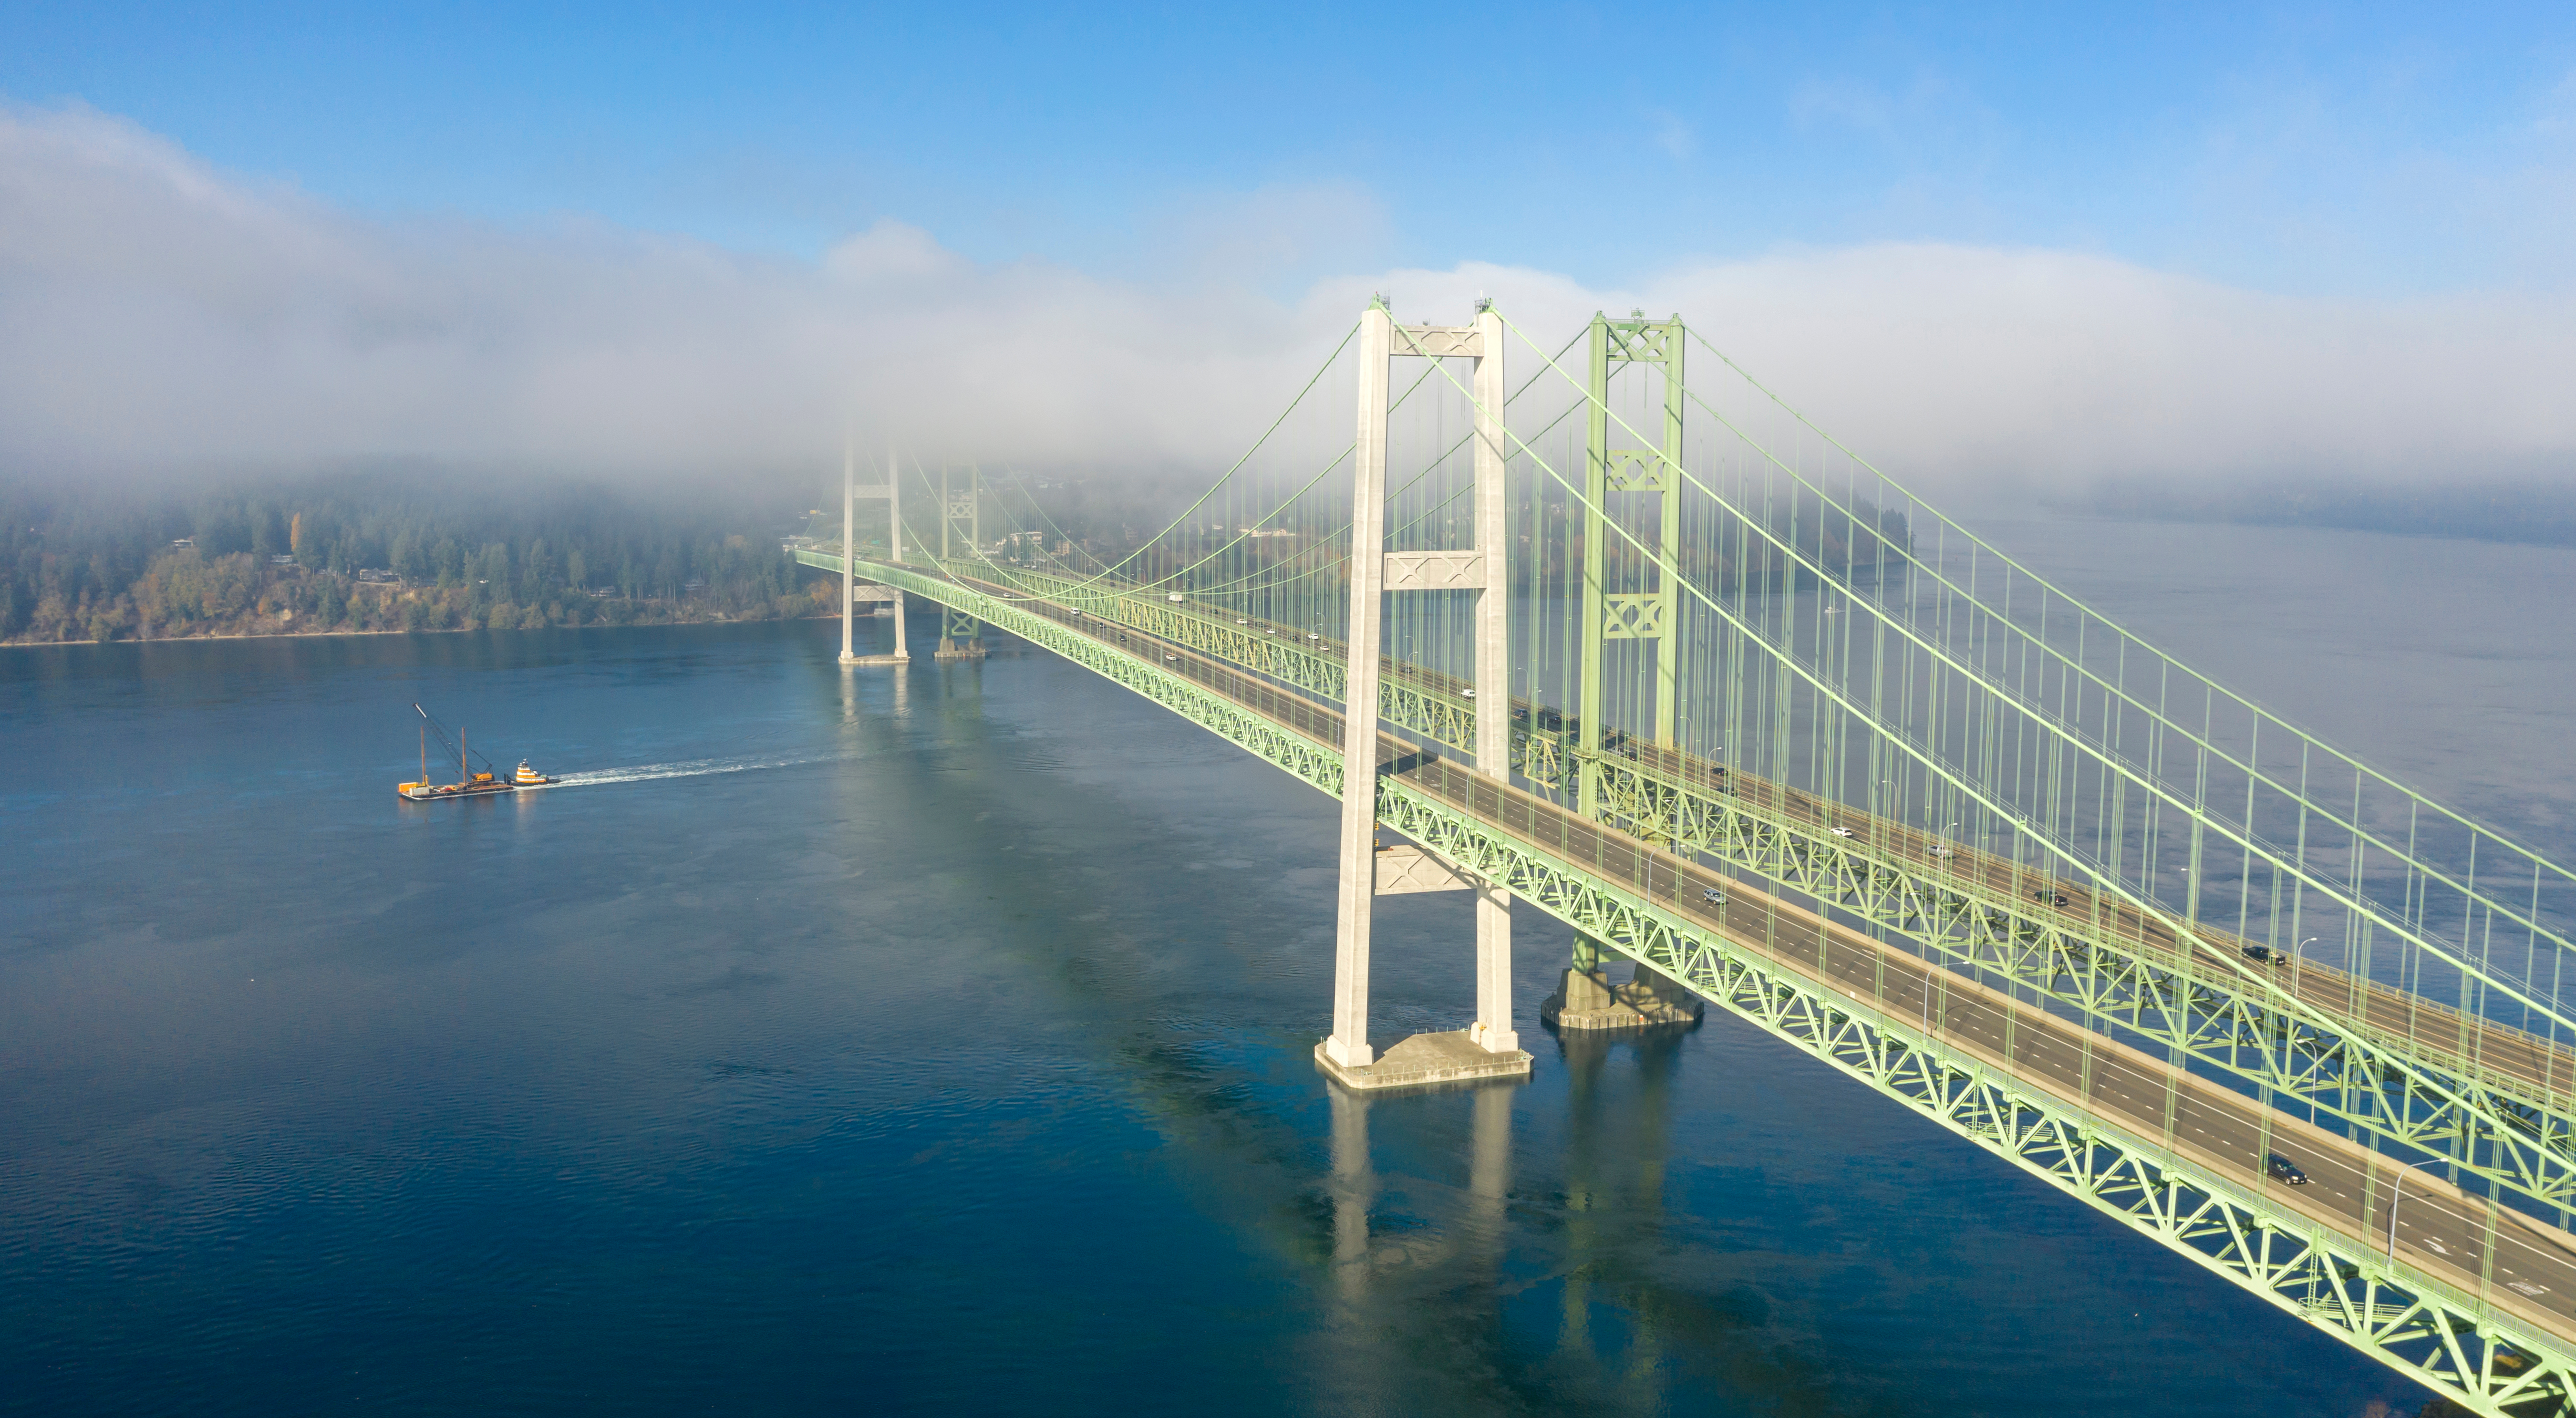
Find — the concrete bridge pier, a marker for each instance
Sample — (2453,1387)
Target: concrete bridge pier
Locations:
(961,637)
(1585,998)
(1488,1047)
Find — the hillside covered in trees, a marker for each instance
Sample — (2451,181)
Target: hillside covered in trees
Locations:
(381,553)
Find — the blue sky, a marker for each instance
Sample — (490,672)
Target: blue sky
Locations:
(2315,149)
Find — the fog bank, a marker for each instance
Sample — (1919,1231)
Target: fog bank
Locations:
(160,318)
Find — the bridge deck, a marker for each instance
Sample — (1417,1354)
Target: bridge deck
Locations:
(2511,1263)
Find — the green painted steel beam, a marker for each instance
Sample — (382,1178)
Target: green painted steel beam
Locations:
(2483,1356)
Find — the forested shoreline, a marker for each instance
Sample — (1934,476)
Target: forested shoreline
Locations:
(383,554)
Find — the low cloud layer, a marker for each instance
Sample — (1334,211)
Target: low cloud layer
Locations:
(159,318)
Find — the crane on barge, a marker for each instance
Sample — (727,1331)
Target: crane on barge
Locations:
(469,783)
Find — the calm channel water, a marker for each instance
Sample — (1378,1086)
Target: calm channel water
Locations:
(846,1042)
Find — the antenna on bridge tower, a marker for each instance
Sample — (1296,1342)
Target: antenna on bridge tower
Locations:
(1490,1048)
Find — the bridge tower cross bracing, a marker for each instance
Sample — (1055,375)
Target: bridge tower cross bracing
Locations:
(961,636)
(1489,1047)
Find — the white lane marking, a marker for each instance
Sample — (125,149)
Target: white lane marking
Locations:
(2527,1287)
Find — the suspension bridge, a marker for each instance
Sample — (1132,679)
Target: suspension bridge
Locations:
(1646,650)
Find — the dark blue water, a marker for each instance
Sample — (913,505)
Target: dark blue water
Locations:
(846,1042)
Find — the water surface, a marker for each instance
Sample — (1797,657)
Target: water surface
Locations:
(852,1041)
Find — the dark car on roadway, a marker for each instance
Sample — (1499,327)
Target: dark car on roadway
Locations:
(2050,895)
(2284,1170)
(2267,955)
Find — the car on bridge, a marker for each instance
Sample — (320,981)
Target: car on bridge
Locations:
(2049,894)
(2284,1170)
(2264,954)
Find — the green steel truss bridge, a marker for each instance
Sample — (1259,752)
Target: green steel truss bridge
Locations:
(1650,652)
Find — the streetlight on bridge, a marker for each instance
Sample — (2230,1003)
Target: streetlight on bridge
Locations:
(2397,1195)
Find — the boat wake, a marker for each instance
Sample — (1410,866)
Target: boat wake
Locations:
(694,768)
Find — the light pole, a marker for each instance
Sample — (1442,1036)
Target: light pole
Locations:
(2299,963)
(2396,1195)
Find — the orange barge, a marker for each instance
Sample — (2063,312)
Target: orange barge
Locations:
(469,783)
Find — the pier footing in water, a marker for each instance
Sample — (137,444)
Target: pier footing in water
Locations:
(1585,999)
(1427,1059)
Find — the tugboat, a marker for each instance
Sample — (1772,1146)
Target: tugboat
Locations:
(469,784)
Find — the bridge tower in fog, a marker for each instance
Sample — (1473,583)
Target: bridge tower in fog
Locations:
(961,534)
(873,595)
